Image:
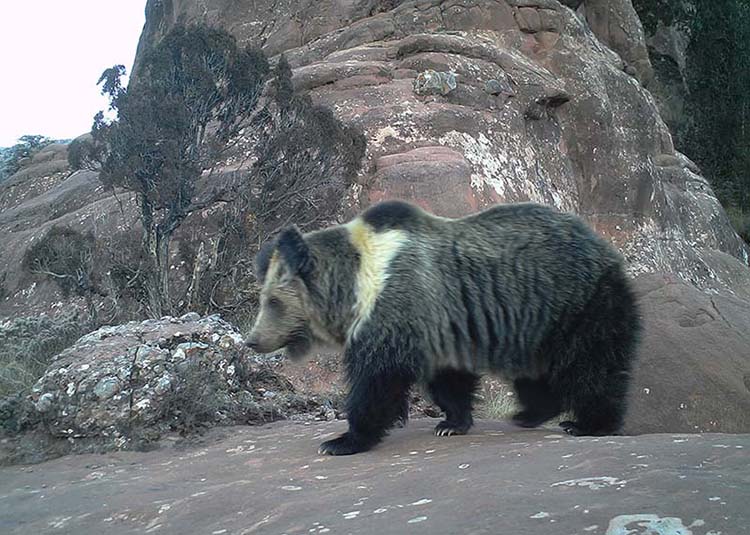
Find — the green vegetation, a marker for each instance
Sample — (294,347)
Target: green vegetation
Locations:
(67,257)
(196,102)
(719,86)
(194,92)
(496,400)
(668,12)
(306,160)
(12,158)
(718,100)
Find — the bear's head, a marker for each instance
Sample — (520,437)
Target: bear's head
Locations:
(284,268)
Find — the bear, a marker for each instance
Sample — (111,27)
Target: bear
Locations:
(522,291)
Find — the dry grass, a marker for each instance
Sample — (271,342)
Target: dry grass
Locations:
(27,346)
(496,400)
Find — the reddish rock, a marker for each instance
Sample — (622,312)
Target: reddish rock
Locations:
(497,479)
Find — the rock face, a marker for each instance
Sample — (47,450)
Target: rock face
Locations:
(499,479)
(578,131)
(616,24)
(693,375)
(125,386)
(667,48)
(547,106)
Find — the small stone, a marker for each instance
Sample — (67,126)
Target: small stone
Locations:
(142,405)
(191,348)
(498,87)
(107,387)
(432,82)
(45,402)
(230,340)
(163,384)
(190,316)
(147,356)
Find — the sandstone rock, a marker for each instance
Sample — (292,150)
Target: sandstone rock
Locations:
(667,49)
(616,24)
(695,356)
(498,479)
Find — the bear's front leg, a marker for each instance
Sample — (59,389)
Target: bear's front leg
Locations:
(374,404)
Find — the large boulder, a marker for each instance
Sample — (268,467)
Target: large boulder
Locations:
(693,375)
(125,386)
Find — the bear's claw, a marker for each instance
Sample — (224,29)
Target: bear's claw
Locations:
(447,429)
(346,444)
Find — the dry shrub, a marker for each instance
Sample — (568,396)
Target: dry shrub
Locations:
(67,257)
(306,161)
(27,346)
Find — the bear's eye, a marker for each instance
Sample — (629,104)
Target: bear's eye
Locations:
(274,302)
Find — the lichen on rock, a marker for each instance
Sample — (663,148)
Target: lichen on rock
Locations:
(120,387)
(432,82)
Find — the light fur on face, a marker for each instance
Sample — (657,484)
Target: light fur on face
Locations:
(283,319)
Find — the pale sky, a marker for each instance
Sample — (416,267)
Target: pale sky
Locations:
(51,55)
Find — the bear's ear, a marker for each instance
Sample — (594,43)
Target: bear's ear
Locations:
(263,260)
(295,252)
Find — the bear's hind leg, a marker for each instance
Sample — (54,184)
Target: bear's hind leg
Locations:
(539,402)
(599,412)
(453,391)
(375,403)
(594,369)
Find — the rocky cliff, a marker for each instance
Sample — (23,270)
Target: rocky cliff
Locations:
(549,106)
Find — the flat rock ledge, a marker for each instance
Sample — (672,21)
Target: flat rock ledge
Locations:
(498,479)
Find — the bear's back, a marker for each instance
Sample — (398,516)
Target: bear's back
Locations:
(519,256)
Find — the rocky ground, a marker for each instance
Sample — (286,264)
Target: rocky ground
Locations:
(498,479)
